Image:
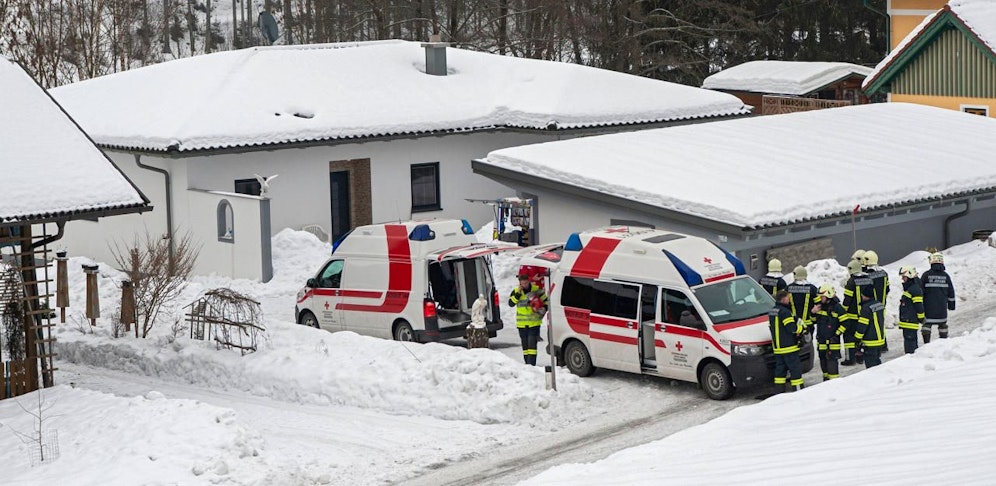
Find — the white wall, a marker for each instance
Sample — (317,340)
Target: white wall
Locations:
(239,257)
(300,196)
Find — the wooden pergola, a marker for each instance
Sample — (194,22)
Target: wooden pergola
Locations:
(53,174)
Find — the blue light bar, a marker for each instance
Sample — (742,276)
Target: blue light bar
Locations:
(422,232)
(467,229)
(691,277)
(339,241)
(738,266)
(573,243)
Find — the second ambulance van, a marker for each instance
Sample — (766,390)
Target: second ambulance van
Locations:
(659,303)
(411,281)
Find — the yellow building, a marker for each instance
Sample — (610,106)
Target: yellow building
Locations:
(944,57)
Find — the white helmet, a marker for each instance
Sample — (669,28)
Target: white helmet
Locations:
(774,265)
(936,258)
(908,272)
(869,258)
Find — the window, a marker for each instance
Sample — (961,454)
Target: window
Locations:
(226,222)
(982,110)
(331,275)
(247,186)
(734,300)
(425,187)
(676,308)
(605,298)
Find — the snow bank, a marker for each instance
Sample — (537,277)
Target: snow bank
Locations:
(931,409)
(109,440)
(311,366)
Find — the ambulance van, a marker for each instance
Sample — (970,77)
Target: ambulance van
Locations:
(659,303)
(411,281)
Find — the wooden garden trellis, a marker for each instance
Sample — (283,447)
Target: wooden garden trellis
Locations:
(228,318)
(26,352)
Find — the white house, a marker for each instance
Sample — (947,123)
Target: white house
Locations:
(358,133)
(785,184)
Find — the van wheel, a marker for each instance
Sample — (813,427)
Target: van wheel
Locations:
(308,319)
(716,381)
(403,332)
(578,360)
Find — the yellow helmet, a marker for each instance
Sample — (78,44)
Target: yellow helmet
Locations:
(857,255)
(869,258)
(936,258)
(854,266)
(828,291)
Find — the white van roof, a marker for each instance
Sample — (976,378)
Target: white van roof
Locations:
(667,255)
(421,236)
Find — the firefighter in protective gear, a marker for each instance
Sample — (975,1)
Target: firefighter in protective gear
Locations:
(785,332)
(870,331)
(773,281)
(530,304)
(857,255)
(852,306)
(829,327)
(803,296)
(880,281)
(911,314)
(938,298)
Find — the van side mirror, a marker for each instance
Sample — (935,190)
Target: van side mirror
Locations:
(311,283)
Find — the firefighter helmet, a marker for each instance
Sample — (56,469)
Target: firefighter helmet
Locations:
(800,273)
(870,258)
(854,266)
(827,291)
(936,258)
(774,265)
(908,271)
(857,255)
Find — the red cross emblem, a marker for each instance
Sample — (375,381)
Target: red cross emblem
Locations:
(707,260)
(326,305)
(679,346)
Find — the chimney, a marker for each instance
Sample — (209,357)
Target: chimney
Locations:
(435,56)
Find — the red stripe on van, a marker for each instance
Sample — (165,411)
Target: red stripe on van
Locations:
(399,274)
(577,319)
(720,277)
(609,321)
(659,343)
(695,333)
(733,325)
(593,256)
(613,338)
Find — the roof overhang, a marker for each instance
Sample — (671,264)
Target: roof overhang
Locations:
(945,19)
(65,216)
(513,178)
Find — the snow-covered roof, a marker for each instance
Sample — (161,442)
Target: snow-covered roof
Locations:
(764,171)
(51,169)
(977,16)
(284,94)
(782,77)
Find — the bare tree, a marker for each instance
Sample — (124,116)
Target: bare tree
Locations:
(157,274)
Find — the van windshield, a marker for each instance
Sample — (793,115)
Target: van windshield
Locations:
(734,300)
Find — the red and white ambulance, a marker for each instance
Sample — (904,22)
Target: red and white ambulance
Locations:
(659,303)
(411,281)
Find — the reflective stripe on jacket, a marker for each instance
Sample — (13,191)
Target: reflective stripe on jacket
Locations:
(871,322)
(784,330)
(525,315)
(911,305)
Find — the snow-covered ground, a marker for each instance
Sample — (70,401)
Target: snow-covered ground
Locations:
(317,408)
